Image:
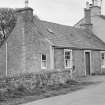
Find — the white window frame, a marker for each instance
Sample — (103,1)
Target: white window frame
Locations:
(42,67)
(102,60)
(68,50)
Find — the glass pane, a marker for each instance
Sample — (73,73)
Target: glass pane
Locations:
(44,64)
(67,53)
(43,57)
(102,55)
(67,57)
(67,63)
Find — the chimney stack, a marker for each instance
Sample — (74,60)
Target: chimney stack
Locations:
(26,12)
(96,7)
(26,3)
(87,12)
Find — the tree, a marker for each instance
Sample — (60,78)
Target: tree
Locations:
(7,22)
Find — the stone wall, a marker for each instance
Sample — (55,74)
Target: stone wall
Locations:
(24,48)
(35,45)
(15,49)
(95,62)
(59,59)
(36,80)
(78,63)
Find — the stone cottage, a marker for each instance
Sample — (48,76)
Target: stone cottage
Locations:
(94,20)
(34,45)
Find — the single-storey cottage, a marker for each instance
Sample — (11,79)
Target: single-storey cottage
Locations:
(34,45)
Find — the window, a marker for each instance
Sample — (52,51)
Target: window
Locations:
(43,61)
(102,56)
(67,58)
(102,59)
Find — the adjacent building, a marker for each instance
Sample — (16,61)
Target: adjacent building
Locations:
(94,20)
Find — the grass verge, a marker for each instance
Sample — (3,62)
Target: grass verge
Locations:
(22,95)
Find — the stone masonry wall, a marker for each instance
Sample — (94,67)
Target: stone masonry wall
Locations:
(35,45)
(96,62)
(36,80)
(59,58)
(78,63)
(15,49)
(24,48)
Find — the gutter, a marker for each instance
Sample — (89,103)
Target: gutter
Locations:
(75,48)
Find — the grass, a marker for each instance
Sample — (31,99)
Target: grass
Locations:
(22,95)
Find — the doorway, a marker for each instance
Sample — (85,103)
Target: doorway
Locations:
(87,63)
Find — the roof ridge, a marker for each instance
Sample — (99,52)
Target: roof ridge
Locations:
(56,23)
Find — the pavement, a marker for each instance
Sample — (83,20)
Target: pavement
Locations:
(91,95)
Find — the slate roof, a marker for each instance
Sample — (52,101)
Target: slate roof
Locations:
(63,36)
(67,36)
(83,20)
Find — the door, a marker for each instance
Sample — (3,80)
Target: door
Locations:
(87,62)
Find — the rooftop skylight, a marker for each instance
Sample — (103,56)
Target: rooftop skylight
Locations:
(50,30)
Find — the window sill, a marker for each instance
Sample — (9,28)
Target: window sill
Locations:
(43,68)
(68,67)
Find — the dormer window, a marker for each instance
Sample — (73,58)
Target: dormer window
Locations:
(50,31)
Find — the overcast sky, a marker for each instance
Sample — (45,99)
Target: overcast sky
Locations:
(66,12)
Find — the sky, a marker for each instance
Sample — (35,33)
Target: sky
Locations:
(67,12)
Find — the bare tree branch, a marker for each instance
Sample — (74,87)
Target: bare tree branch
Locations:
(7,22)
